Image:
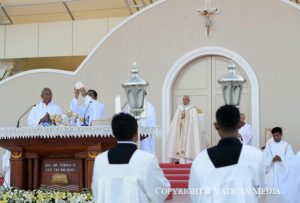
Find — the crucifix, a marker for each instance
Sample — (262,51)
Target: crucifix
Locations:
(207,12)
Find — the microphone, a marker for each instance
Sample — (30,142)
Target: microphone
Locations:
(84,120)
(18,124)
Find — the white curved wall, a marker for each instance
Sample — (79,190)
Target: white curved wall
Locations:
(265,33)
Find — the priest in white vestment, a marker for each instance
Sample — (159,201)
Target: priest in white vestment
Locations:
(92,109)
(245,131)
(229,172)
(126,174)
(40,114)
(278,156)
(291,188)
(185,140)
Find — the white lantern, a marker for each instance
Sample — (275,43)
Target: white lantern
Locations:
(232,86)
(135,89)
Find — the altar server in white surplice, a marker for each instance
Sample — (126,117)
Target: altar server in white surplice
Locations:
(229,172)
(278,155)
(291,188)
(245,131)
(40,114)
(148,118)
(185,140)
(92,109)
(148,144)
(124,173)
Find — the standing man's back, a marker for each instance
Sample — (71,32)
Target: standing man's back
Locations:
(124,173)
(230,171)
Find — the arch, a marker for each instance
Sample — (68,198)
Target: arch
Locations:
(188,57)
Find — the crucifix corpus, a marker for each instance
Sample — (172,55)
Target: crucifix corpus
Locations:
(207,12)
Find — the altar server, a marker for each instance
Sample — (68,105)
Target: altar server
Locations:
(148,118)
(230,171)
(40,114)
(124,173)
(278,156)
(291,188)
(6,168)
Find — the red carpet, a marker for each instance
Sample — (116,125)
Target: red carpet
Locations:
(177,174)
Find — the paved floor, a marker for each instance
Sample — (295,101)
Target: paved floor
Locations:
(263,199)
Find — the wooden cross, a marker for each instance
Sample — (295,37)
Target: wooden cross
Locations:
(207,12)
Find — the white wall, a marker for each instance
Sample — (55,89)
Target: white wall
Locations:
(53,39)
(87,33)
(2,40)
(21,41)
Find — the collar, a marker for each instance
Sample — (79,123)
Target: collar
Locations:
(229,141)
(126,142)
(185,107)
(44,105)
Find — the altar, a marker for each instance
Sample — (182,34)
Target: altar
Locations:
(60,158)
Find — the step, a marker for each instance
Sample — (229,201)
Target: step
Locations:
(177,177)
(179,184)
(165,165)
(169,171)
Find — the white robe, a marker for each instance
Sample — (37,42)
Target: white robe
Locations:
(148,144)
(213,184)
(274,171)
(40,110)
(139,181)
(184,143)
(6,168)
(94,111)
(148,119)
(291,187)
(246,133)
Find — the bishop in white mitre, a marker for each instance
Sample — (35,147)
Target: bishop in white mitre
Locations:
(186,137)
(277,156)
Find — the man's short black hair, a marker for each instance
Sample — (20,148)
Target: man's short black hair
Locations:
(124,126)
(228,117)
(94,93)
(276,130)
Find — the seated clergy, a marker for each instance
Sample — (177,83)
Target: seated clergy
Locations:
(92,109)
(230,171)
(124,173)
(40,114)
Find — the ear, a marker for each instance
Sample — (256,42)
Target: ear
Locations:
(217,127)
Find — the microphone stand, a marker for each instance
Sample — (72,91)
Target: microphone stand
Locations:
(84,120)
(18,124)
